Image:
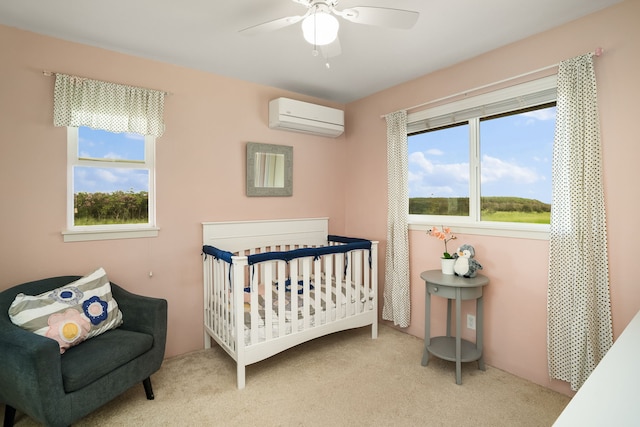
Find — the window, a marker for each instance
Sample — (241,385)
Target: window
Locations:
(485,162)
(110,185)
(515,152)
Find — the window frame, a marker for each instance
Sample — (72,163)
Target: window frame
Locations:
(75,233)
(471,109)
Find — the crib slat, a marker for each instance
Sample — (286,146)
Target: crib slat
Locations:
(329,288)
(357,280)
(306,290)
(366,281)
(349,283)
(227,310)
(255,316)
(221,301)
(282,278)
(267,279)
(293,275)
(318,285)
(340,290)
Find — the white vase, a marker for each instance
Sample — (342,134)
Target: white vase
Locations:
(447,265)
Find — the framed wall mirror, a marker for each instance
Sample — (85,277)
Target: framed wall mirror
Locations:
(269,170)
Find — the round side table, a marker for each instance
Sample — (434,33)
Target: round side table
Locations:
(453,348)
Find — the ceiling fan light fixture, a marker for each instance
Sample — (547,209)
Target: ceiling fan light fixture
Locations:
(320,28)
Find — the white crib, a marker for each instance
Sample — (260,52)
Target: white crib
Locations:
(259,274)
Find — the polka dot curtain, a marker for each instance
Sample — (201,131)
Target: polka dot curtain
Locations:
(397,303)
(579,330)
(101,105)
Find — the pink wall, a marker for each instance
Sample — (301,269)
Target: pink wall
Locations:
(200,173)
(515,300)
(200,177)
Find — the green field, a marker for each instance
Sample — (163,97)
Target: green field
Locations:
(528,217)
(498,209)
(106,221)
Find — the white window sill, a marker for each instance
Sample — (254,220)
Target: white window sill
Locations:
(79,235)
(501,229)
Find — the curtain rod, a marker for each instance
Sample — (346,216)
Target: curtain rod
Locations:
(48,73)
(599,51)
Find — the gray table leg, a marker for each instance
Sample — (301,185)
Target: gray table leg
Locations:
(479,331)
(458,338)
(427,327)
(448,317)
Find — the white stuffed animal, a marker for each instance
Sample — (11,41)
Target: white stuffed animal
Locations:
(465,265)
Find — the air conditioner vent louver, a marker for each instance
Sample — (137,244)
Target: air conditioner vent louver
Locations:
(297,116)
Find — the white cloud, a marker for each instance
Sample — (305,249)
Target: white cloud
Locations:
(135,136)
(448,172)
(434,179)
(113,156)
(424,165)
(108,175)
(83,180)
(494,169)
(544,114)
(109,179)
(86,142)
(540,159)
(435,152)
(427,178)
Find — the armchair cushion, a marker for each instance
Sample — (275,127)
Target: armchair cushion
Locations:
(95,358)
(69,314)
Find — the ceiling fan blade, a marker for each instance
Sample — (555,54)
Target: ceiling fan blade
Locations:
(381,16)
(276,24)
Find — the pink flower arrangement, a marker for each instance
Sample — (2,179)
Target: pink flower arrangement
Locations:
(445,235)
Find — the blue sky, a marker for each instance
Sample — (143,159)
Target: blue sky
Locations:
(515,158)
(100,144)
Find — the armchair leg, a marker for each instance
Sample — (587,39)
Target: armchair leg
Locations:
(9,415)
(147,388)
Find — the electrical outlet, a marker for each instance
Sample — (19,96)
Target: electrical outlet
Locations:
(471,321)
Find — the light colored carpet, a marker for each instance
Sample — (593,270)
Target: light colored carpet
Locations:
(345,379)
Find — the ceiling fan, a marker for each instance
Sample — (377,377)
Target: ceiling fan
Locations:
(320,26)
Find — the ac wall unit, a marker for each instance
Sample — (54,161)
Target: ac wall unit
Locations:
(297,116)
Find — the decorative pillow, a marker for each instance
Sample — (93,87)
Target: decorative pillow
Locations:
(70,314)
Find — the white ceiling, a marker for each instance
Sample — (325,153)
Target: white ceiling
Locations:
(203,34)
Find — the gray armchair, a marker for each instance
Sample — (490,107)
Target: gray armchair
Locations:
(56,389)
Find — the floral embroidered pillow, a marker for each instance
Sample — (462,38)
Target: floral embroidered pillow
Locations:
(70,314)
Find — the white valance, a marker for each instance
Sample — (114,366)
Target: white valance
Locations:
(113,107)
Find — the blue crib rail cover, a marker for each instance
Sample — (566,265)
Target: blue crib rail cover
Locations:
(349,244)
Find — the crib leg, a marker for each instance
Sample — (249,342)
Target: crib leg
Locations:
(207,340)
(374,330)
(240,374)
